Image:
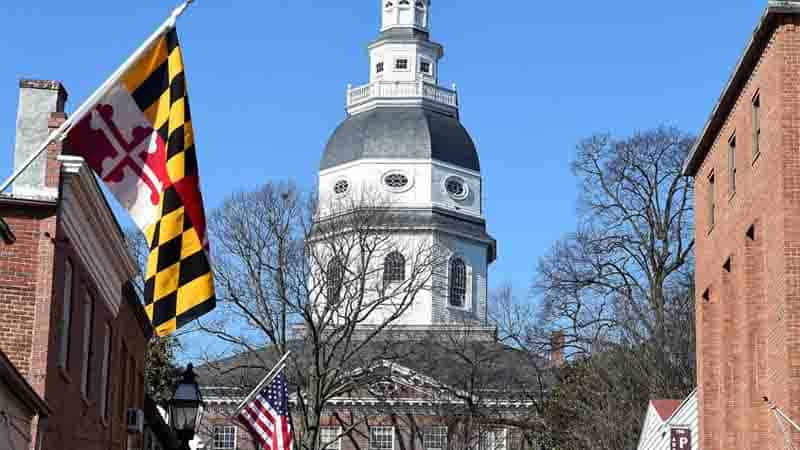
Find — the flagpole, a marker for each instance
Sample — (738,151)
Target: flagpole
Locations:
(87,106)
(267,379)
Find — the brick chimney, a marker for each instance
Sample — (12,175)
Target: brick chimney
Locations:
(557,344)
(41,109)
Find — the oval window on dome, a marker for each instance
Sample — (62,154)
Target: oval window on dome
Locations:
(396,181)
(456,188)
(341,187)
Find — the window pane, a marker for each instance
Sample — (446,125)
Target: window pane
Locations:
(381,438)
(434,438)
(401,64)
(88,336)
(224,437)
(66,315)
(458,282)
(335,280)
(329,437)
(394,268)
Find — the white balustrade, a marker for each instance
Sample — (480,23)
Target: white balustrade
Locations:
(400,89)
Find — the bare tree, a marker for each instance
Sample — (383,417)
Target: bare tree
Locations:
(293,275)
(619,290)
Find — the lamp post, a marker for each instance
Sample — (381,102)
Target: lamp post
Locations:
(185,408)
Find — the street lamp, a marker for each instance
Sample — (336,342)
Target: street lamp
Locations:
(185,408)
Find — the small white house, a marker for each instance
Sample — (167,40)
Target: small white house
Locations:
(671,425)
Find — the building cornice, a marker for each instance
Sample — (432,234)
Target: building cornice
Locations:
(744,69)
(94,232)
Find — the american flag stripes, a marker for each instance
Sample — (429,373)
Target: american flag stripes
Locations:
(267,415)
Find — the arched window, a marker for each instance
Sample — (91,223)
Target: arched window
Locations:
(404,3)
(389,5)
(420,5)
(394,268)
(335,280)
(458,282)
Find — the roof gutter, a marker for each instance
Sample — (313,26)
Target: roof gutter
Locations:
(741,74)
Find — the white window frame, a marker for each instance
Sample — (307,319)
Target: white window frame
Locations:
(398,58)
(381,429)
(422,59)
(491,436)
(335,445)
(225,429)
(430,431)
(467,306)
(66,314)
(88,306)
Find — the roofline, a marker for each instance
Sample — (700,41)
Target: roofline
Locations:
(21,388)
(741,74)
(683,403)
(5,233)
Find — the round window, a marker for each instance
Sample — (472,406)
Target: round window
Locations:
(456,188)
(341,187)
(396,181)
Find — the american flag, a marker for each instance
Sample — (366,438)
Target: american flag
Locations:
(267,415)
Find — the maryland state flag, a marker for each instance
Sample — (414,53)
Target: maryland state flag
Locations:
(138,139)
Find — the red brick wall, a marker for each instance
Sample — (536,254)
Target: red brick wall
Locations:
(31,310)
(748,324)
(22,266)
(80,422)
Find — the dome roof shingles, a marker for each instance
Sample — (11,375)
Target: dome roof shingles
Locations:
(401,133)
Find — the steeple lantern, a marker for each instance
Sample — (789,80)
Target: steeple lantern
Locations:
(405,14)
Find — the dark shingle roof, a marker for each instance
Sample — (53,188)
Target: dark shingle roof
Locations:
(468,366)
(401,133)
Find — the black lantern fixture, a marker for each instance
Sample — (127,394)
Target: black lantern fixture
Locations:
(185,408)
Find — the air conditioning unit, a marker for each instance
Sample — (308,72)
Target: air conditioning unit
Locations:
(135,421)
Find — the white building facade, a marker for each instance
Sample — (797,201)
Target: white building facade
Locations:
(671,424)
(402,144)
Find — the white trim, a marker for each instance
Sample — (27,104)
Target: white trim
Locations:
(464,184)
(410,161)
(338,180)
(381,428)
(420,60)
(337,443)
(398,58)
(467,306)
(398,190)
(93,231)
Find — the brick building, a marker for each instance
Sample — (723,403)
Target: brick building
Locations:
(70,322)
(746,167)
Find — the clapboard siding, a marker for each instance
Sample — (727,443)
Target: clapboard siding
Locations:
(656,432)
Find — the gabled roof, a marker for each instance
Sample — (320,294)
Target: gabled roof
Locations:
(665,408)
(744,69)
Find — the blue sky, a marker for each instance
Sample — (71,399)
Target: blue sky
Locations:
(267,81)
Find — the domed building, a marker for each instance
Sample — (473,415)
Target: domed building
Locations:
(402,145)
(402,150)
